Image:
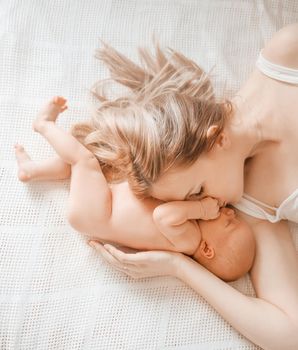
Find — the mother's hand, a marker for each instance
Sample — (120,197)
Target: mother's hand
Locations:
(140,264)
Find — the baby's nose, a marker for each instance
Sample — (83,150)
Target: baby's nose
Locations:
(230,212)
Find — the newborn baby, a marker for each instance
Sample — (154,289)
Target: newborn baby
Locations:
(224,245)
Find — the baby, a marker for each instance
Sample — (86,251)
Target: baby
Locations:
(220,241)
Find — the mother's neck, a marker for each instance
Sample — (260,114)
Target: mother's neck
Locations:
(246,128)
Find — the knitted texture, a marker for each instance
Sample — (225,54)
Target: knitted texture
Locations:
(55,291)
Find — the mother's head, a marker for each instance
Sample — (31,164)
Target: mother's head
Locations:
(167,135)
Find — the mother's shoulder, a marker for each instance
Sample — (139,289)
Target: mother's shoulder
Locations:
(282,48)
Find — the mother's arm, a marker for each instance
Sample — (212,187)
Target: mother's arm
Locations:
(270,319)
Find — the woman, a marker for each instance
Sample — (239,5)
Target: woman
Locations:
(251,150)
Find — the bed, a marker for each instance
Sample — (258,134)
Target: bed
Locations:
(55,291)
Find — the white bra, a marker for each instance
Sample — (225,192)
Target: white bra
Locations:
(288,210)
(275,71)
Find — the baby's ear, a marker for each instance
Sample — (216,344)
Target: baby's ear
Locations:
(206,250)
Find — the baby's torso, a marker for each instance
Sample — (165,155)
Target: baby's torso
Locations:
(131,222)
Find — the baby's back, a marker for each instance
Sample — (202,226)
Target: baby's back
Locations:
(131,222)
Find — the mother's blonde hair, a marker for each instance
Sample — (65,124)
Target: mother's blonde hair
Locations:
(161,122)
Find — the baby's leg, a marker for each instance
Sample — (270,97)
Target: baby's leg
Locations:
(49,169)
(90,196)
(90,199)
(66,146)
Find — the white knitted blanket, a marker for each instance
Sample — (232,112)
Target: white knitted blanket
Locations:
(55,291)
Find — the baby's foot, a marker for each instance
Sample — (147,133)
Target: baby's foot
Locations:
(25,163)
(50,112)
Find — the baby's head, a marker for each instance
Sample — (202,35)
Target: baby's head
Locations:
(227,246)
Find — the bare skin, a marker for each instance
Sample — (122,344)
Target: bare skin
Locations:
(48,169)
(263,142)
(255,154)
(255,151)
(171,226)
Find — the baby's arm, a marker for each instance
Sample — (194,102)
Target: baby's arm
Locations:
(177,221)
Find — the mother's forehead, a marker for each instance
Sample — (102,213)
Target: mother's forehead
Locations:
(166,193)
(173,185)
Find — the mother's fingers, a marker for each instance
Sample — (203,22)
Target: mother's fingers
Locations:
(128,269)
(121,256)
(109,257)
(99,247)
(140,264)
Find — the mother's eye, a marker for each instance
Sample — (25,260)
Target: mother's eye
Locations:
(197,194)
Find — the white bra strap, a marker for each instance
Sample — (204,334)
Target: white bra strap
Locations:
(254,210)
(288,75)
(258,202)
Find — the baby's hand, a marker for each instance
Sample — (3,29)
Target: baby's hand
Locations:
(210,208)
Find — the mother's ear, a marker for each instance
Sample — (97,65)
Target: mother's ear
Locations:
(222,141)
(206,250)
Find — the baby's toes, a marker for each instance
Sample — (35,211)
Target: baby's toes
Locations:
(23,175)
(59,100)
(20,153)
(63,108)
(19,149)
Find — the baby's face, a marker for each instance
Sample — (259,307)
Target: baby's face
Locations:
(221,228)
(227,246)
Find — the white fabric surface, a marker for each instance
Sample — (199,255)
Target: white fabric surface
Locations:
(55,291)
